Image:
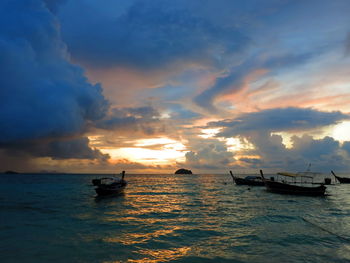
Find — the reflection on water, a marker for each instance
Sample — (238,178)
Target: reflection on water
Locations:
(158,255)
(137,238)
(161,255)
(168,218)
(108,198)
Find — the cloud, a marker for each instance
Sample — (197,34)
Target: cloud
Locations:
(178,48)
(258,127)
(47,103)
(229,39)
(279,119)
(71,149)
(346,147)
(208,154)
(324,154)
(147,35)
(14,162)
(251,69)
(179,112)
(269,147)
(307,147)
(125,164)
(42,94)
(131,120)
(50,155)
(252,162)
(77,148)
(283,39)
(232,82)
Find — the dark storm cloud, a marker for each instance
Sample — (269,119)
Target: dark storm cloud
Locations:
(280,119)
(42,94)
(46,102)
(77,148)
(149,34)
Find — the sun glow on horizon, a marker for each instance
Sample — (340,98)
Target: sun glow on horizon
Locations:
(166,142)
(155,151)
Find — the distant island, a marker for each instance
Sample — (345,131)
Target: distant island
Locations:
(10,172)
(183,171)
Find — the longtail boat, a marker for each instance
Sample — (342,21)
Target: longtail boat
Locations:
(248,180)
(294,188)
(109,185)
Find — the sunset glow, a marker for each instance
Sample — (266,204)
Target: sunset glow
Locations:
(237,144)
(165,152)
(208,133)
(162,131)
(156,85)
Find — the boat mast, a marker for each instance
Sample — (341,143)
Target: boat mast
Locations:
(233,178)
(308,168)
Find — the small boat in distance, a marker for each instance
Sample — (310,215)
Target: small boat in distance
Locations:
(342,180)
(109,185)
(295,187)
(248,180)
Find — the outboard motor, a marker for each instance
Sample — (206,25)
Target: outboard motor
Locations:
(96,181)
(327,181)
(122,181)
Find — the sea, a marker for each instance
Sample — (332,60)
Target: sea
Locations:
(168,218)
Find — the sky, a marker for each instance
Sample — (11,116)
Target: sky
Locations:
(150,86)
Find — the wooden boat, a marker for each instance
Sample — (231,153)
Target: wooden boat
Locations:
(342,180)
(248,180)
(293,188)
(109,185)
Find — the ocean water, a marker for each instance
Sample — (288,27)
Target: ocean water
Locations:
(168,218)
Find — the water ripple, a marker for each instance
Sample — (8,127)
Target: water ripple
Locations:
(167,218)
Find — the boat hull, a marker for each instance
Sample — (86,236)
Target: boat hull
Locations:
(104,191)
(242,181)
(283,188)
(343,180)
